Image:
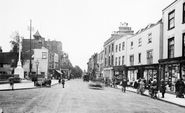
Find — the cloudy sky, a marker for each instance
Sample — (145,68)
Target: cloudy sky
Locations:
(81,25)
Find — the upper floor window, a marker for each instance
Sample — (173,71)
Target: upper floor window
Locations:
(116,48)
(112,47)
(183,15)
(140,41)
(119,47)
(109,61)
(109,48)
(131,60)
(171,47)
(150,38)
(131,45)
(116,61)
(183,45)
(139,57)
(149,57)
(123,45)
(44,55)
(105,50)
(122,60)
(119,60)
(171,20)
(105,61)
(112,59)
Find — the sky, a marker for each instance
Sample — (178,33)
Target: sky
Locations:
(81,25)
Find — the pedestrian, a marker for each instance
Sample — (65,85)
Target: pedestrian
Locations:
(63,82)
(154,89)
(181,88)
(11,81)
(124,84)
(59,80)
(177,84)
(162,88)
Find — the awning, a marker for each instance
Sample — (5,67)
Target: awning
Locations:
(58,71)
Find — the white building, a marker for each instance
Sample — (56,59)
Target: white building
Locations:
(173,63)
(143,52)
(40,61)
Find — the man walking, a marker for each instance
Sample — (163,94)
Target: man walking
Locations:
(63,82)
(124,84)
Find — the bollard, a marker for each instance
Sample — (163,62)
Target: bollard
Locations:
(1,110)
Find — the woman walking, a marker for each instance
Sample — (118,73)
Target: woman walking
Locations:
(163,88)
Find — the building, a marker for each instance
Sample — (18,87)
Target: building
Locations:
(172,65)
(100,63)
(120,50)
(143,52)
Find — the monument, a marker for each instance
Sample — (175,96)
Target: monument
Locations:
(19,70)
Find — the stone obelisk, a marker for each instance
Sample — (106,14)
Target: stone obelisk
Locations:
(19,70)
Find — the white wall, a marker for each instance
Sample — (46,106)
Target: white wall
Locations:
(175,32)
(155,30)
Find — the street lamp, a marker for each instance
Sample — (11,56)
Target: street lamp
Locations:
(37,65)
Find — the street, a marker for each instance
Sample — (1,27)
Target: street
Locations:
(76,97)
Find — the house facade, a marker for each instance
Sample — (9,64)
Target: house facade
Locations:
(143,53)
(173,63)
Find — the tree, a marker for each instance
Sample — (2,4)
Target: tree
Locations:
(15,41)
(77,71)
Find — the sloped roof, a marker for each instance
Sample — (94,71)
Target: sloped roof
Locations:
(37,34)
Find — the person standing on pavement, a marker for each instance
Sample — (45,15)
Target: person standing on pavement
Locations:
(124,84)
(11,81)
(63,82)
(163,88)
(177,84)
(59,80)
(181,88)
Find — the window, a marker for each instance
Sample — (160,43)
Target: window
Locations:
(122,60)
(105,62)
(109,48)
(131,60)
(112,60)
(116,61)
(149,57)
(150,38)
(183,45)
(171,20)
(123,45)
(139,57)
(105,50)
(171,47)
(109,61)
(119,47)
(112,47)
(131,44)
(119,60)
(183,15)
(44,55)
(140,42)
(116,48)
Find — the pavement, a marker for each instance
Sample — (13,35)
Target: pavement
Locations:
(26,84)
(170,98)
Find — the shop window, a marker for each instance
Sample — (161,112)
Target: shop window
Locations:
(149,57)
(183,15)
(131,60)
(140,43)
(183,71)
(123,45)
(44,55)
(171,48)
(171,20)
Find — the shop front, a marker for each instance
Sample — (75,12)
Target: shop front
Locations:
(108,73)
(172,70)
(144,72)
(119,72)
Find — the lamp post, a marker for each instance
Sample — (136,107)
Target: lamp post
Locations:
(37,65)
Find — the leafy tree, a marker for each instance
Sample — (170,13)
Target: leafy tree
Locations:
(15,41)
(76,71)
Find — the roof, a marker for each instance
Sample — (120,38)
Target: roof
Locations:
(37,34)
(169,5)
